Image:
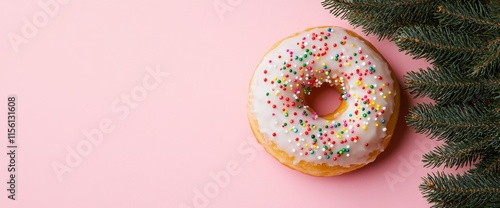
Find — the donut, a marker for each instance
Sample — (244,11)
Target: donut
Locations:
(341,141)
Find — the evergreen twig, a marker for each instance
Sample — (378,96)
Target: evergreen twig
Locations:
(394,13)
(488,64)
(448,190)
(456,154)
(489,165)
(454,123)
(441,46)
(445,85)
(467,15)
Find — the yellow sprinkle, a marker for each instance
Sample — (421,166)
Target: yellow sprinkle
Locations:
(384,97)
(317,58)
(358,83)
(327,121)
(348,64)
(352,45)
(314,146)
(276,78)
(390,92)
(383,84)
(364,127)
(324,64)
(292,128)
(314,127)
(306,145)
(376,124)
(276,94)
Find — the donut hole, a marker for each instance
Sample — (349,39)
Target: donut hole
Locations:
(323,100)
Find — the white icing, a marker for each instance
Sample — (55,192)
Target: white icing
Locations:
(292,138)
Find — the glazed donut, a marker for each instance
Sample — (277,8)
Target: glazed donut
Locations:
(344,140)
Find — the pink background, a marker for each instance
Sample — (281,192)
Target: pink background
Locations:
(89,54)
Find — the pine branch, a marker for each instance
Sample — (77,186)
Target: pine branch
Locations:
(380,17)
(447,190)
(339,7)
(457,154)
(488,64)
(385,28)
(478,19)
(489,165)
(375,3)
(471,15)
(446,85)
(455,123)
(440,45)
